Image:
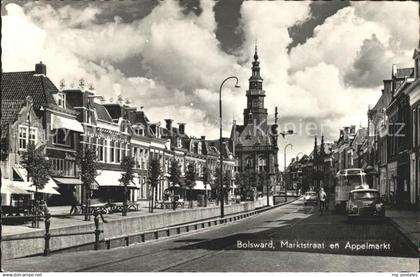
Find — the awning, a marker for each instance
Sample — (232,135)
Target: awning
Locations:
(49,187)
(68,181)
(108,178)
(136,182)
(199,185)
(58,122)
(12,187)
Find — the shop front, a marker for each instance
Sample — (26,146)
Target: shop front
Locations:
(110,189)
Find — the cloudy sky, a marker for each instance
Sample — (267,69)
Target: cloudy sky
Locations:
(322,62)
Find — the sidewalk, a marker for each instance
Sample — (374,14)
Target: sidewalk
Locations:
(407,222)
(74,220)
(67,221)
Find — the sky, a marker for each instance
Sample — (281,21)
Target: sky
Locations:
(322,62)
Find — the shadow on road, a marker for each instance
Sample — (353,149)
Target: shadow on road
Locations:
(330,233)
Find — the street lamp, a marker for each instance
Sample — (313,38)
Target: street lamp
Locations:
(285,183)
(222,212)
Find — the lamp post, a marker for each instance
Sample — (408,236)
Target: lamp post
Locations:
(222,200)
(285,182)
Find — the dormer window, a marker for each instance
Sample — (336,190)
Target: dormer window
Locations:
(61,100)
(199,148)
(178,143)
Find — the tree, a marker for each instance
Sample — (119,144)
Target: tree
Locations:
(38,168)
(174,178)
(206,181)
(127,165)
(87,160)
(154,176)
(246,182)
(227,183)
(190,176)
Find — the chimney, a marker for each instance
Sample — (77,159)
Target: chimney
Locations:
(353,130)
(394,70)
(169,124)
(181,127)
(41,69)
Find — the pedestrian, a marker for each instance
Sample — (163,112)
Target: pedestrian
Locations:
(322,200)
(74,202)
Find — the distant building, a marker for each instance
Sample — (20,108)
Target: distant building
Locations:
(254,143)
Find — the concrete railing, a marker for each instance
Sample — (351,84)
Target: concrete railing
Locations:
(114,228)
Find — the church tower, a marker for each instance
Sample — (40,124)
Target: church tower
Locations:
(255,113)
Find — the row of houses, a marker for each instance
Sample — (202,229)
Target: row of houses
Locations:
(65,120)
(388,149)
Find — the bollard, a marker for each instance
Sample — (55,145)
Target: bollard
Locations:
(127,241)
(47,235)
(97,231)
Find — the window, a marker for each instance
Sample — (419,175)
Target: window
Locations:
(117,152)
(62,137)
(138,130)
(23,133)
(112,151)
(418,127)
(122,149)
(414,127)
(24,137)
(101,150)
(63,167)
(61,100)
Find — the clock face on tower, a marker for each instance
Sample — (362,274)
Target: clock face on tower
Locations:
(255,103)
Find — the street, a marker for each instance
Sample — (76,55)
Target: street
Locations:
(293,237)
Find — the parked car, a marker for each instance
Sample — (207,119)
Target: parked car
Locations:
(310,197)
(365,203)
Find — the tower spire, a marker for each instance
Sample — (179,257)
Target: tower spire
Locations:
(256,51)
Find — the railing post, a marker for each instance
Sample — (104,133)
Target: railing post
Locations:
(47,235)
(97,231)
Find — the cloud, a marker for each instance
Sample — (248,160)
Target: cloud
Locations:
(370,66)
(329,80)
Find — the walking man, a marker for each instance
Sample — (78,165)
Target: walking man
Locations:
(322,200)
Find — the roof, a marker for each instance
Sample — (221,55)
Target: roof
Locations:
(404,72)
(102,112)
(248,138)
(19,85)
(9,112)
(10,109)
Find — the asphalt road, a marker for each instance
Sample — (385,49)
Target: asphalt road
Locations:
(293,237)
